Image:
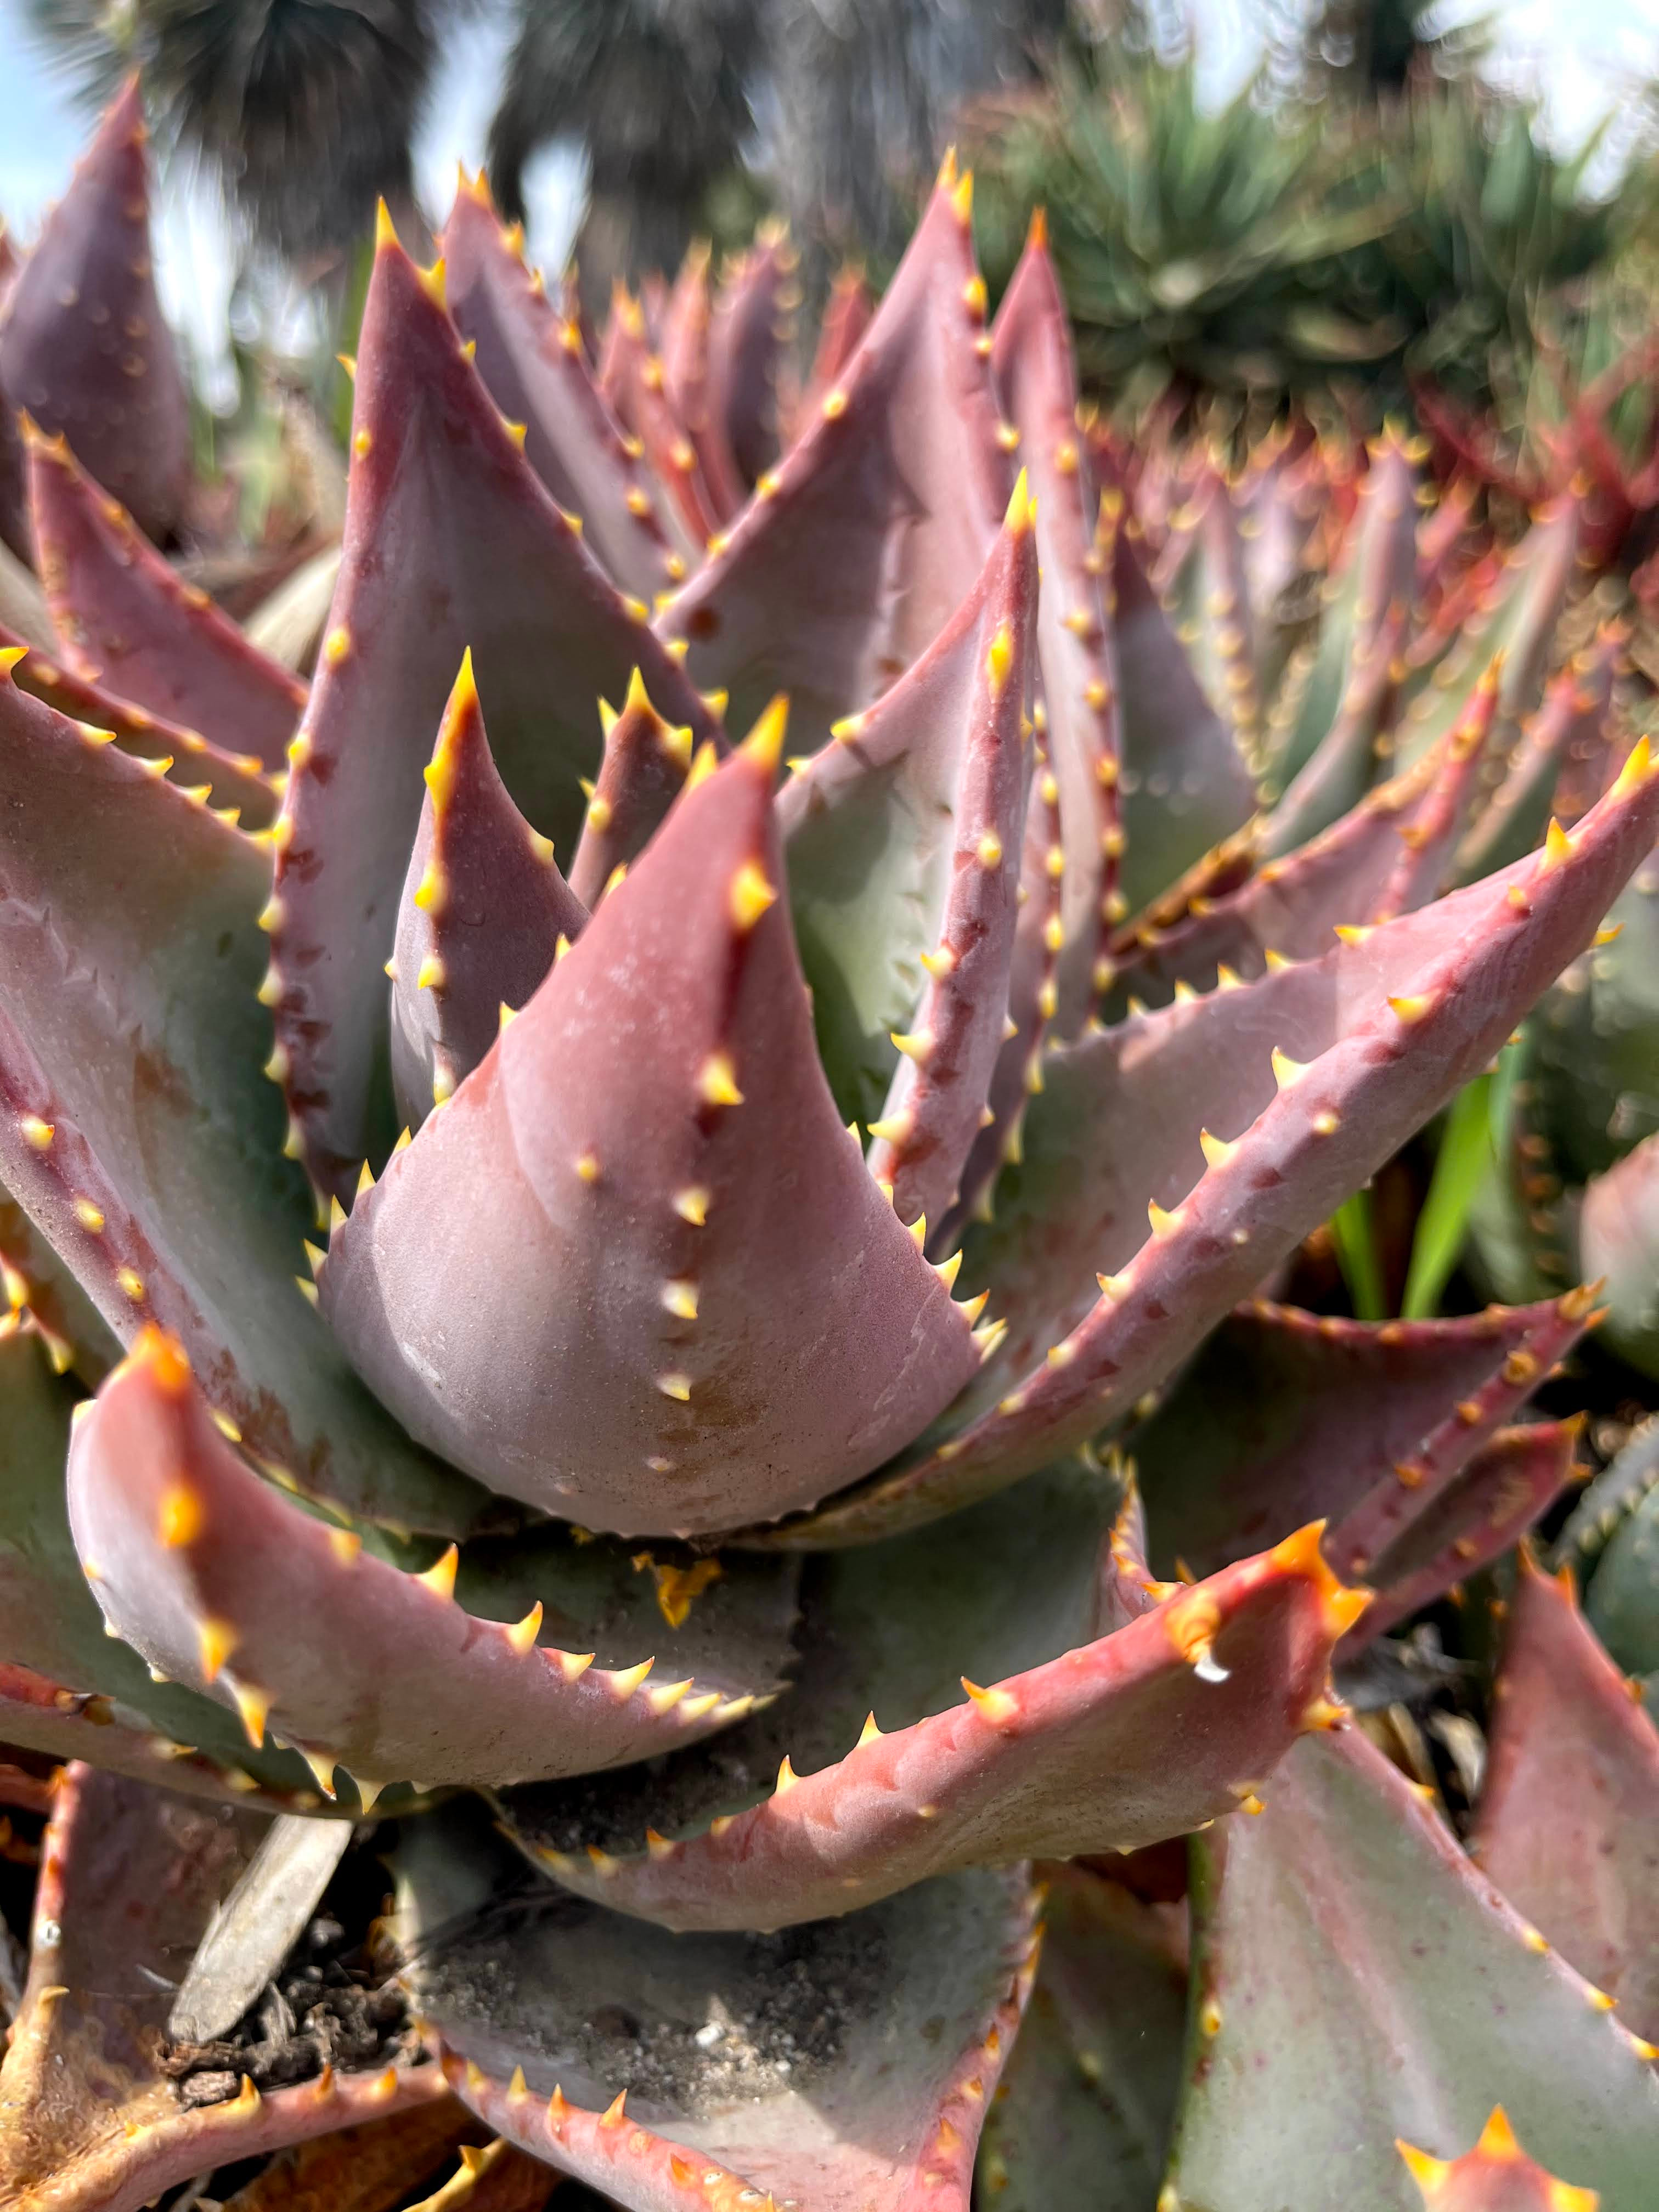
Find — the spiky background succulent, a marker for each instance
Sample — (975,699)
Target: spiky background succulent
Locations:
(730,1225)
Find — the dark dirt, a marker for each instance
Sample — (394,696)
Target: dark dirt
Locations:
(333,2004)
(319,2013)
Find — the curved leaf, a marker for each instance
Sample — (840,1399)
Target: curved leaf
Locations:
(129,622)
(222,1584)
(851,2062)
(635,1272)
(83,345)
(482,912)
(450,542)
(138,1125)
(863,541)
(1568,1823)
(1347,1912)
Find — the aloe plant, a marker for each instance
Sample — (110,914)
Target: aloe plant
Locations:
(571,1293)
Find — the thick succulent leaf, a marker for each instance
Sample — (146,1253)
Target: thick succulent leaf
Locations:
(997,1590)
(1346,1917)
(1033,997)
(1494,2175)
(1278,495)
(220,779)
(1036,378)
(1568,1823)
(685,382)
(848,313)
(1618,1243)
(903,840)
(136,1126)
(129,622)
(482,911)
(870,829)
(645,763)
(36,1281)
(130,1878)
(632,379)
(531,363)
(1376,572)
(1509,1484)
(1515,616)
(751,325)
(221,1583)
(1341,766)
(850,2068)
(1425,865)
(83,345)
(635,1270)
(1067,1757)
(450,542)
(1609,1499)
(1314,1075)
(862,544)
(1569,727)
(1184,783)
(1623,1599)
(1083,2116)
(1209,601)
(1351,874)
(51,1627)
(373,2167)
(1284,1415)
(104,1732)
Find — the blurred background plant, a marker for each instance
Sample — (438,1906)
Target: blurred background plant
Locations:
(1370,211)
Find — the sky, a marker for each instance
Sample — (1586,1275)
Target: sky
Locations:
(1578,58)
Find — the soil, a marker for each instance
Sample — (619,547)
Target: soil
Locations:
(333,2004)
(755,2016)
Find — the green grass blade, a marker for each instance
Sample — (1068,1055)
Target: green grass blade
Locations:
(1356,1255)
(1465,1155)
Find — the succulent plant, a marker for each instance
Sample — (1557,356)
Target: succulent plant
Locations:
(566,1292)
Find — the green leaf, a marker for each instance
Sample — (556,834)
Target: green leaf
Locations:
(1355,1238)
(1466,1156)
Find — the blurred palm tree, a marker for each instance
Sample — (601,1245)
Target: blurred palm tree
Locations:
(308,108)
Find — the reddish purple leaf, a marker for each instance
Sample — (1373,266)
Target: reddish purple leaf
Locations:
(129,622)
(482,912)
(751,323)
(1509,1484)
(685,345)
(1348,1917)
(903,843)
(1328,1066)
(450,542)
(860,544)
(531,363)
(222,1584)
(1066,1758)
(643,773)
(1282,1415)
(656,2067)
(1568,1824)
(221,779)
(138,1124)
(686,1302)
(83,345)
(1031,360)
